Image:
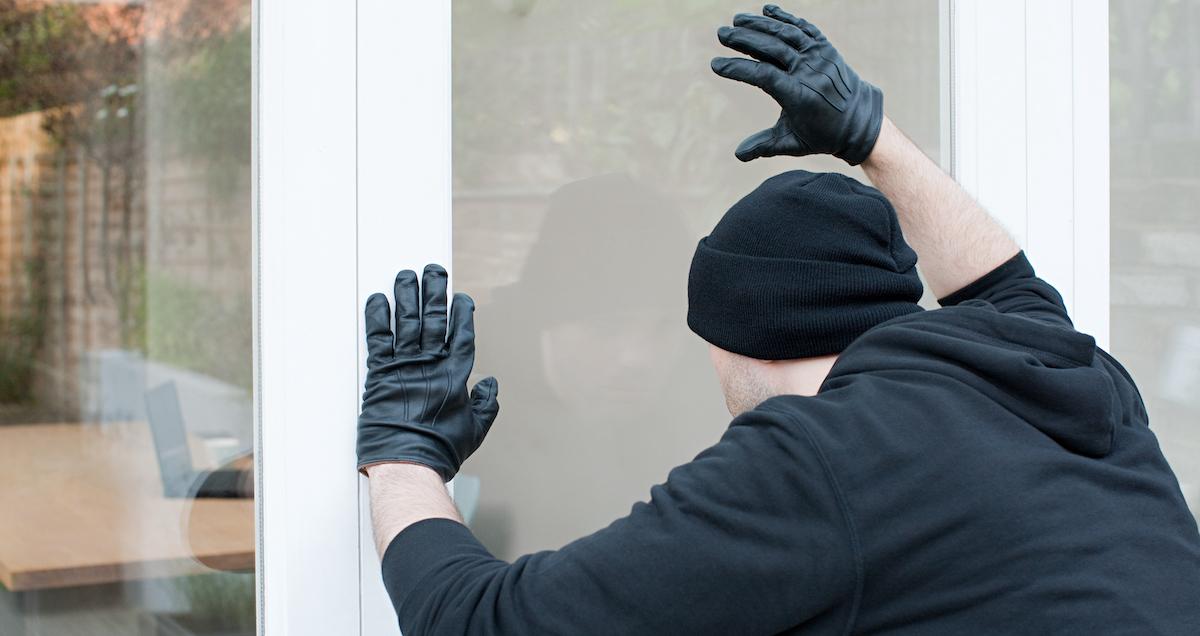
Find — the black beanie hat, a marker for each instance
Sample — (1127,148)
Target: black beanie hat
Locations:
(800,267)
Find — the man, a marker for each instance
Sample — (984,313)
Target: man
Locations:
(978,468)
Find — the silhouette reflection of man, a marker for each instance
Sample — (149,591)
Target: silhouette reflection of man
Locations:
(588,342)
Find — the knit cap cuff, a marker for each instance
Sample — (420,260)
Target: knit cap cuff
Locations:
(780,309)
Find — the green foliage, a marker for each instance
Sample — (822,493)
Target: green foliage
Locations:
(54,58)
(35,44)
(90,69)
(200,329)
(209,85)
(21,336)
(225,598)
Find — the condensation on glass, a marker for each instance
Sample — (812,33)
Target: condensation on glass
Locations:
(592,148)
(1155,137)
(125,318)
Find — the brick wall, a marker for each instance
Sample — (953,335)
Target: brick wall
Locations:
(113,264)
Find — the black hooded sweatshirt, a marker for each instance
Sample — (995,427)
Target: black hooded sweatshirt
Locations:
(979,468)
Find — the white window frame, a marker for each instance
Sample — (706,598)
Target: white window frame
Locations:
(1029,135)
(306,396)
(353,182)
(404,188)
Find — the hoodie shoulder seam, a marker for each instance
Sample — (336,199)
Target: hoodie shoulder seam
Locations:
(847,517)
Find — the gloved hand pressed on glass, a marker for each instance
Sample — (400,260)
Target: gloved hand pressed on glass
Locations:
(415,405)
(827,108)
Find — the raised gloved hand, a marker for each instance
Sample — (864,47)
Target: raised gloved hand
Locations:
(415,404)
(827,108)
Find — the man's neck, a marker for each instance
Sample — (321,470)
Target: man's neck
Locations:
(804,376)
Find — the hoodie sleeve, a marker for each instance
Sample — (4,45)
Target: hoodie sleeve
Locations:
(1014,288)
(749,537)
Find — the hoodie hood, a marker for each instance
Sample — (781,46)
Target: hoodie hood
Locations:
(1047,375)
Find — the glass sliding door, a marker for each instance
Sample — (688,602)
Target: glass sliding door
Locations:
(592,148)
(1155,136)
(126,488)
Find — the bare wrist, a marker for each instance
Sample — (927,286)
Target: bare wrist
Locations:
(403,494)
(883,143)
(402,470)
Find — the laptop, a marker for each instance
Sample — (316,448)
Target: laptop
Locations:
(179,478)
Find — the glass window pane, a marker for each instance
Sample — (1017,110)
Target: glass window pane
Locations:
(592,148)
(125,318)
(1155,136)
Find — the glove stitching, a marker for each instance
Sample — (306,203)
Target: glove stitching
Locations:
(832,81)
(838,68)
(449,384)
(815,90)
(425,404)
(404,392)
(773,139)
(480,431)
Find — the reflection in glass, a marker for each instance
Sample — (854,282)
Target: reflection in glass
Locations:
(1155,137)
(125,329)
(592,148)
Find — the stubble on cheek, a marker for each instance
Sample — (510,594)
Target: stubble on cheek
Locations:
(743,389)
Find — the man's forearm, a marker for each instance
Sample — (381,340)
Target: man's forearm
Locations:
(956,240)
(403,494)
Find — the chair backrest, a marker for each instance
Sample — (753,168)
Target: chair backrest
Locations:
(170,439)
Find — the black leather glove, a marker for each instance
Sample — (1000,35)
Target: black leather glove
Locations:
(415,404)
(827,108)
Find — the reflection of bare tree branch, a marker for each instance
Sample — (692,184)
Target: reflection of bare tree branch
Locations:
(60,191)
(82,167)
(127,272)
(105,195)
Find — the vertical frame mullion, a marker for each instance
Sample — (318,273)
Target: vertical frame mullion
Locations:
(988,102)
(1091,174)
(305,317)
(1050,203)
(1029,138)
(404,172)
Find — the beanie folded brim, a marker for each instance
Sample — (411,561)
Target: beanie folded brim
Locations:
(754,306)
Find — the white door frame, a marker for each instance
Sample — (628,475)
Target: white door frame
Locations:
(306,395)
(352,156)
(1029,135)
(352,183)
(404,175)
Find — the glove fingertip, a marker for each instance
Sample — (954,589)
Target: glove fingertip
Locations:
(377,313)
(485,389)
(752,148)
(374,303)
(484,400)
(463,301)
(406,277)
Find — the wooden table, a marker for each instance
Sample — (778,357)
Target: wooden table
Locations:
(82,504)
